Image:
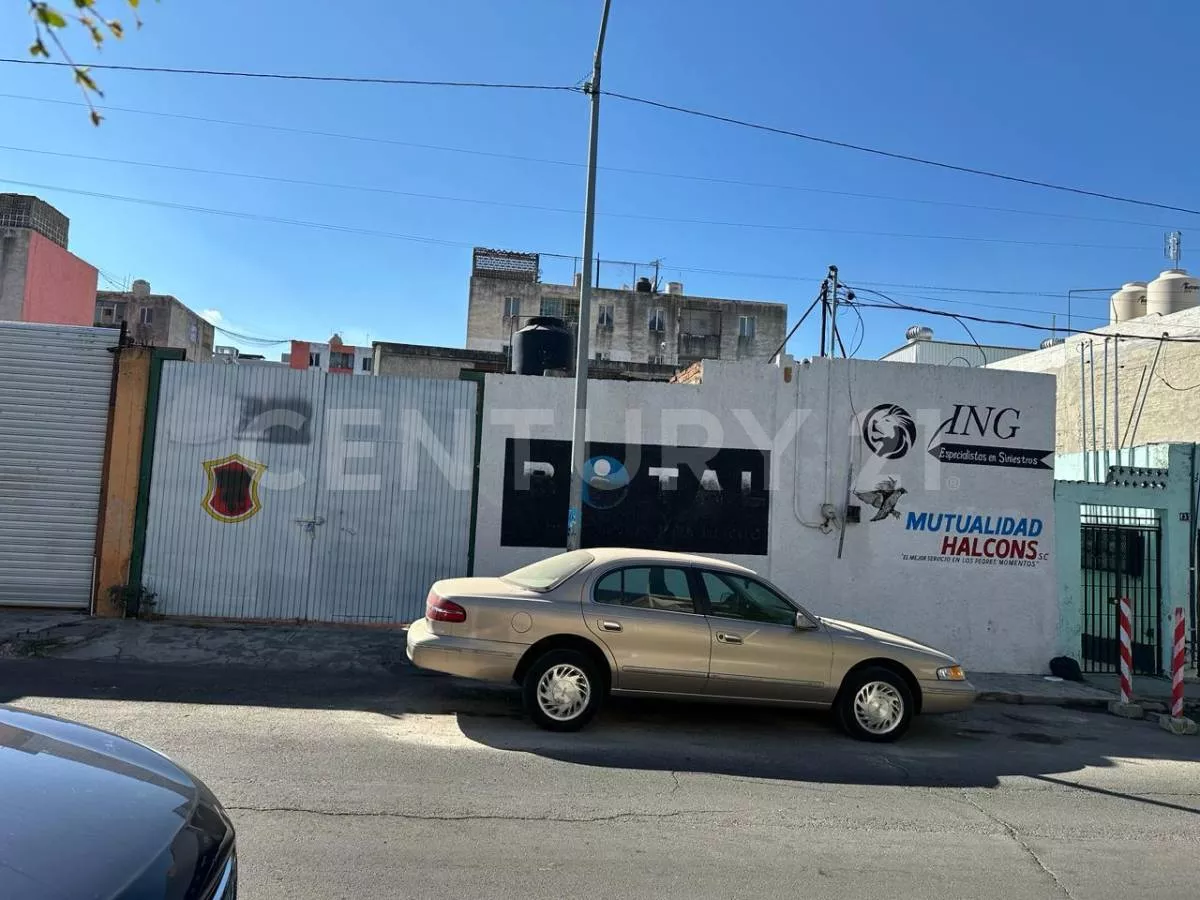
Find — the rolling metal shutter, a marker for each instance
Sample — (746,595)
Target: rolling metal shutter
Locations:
(54,394)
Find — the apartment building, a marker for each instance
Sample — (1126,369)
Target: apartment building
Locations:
(334,356)
(155,320)
(635,324)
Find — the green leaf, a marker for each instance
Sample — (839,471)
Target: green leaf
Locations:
(117,29)
(85,80)
(133,3)
(84,4)
(90,25)
(37,48)
(51,18)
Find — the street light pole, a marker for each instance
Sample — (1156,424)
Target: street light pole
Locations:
(579,432)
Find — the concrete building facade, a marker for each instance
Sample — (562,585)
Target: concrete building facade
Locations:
(40,279)
(636,325)
(421,361)
(155,320)
(913,498)
(1123,385)
(334,356)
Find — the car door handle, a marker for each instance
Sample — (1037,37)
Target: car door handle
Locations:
(609,625)
(726,638)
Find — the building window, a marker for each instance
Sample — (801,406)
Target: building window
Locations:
(193,333)
(605,319)
(602,356)
(658,319)
(512,307)
(551,306)
(108,315)
(146,316)
(655,360)
(366,364)
(746,327)
(314,360)
(341,360)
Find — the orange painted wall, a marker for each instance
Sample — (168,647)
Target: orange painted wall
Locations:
(60,288)
(299,357)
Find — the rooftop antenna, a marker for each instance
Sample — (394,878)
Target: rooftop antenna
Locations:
(1172,247)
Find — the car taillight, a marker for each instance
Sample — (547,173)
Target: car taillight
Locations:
(439,609)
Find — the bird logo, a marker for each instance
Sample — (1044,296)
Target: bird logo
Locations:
(889,430)
(884,498)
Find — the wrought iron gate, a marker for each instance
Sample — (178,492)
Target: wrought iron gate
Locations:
(1121,558)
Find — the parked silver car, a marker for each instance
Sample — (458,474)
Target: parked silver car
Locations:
(577,626)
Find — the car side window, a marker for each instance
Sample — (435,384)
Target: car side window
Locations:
(737,597)
(647,587)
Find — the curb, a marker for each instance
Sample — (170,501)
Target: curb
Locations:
(1042,699)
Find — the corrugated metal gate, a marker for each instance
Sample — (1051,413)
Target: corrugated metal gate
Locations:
(55,385)
(281,494)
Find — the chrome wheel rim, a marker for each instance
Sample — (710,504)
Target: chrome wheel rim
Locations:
(563,692)
(878,707)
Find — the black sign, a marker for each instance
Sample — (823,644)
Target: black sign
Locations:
(975,455)
(690,499)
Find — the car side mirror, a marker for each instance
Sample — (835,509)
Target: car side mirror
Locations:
(804,623)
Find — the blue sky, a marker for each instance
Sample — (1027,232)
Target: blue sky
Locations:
(1068,92)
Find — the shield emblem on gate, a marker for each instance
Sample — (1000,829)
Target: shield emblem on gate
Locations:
(232,494)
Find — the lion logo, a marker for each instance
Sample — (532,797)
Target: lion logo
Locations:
(889,431)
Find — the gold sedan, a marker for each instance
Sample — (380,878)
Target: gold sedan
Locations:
(577,626)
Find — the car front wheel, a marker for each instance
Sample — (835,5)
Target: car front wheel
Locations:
(563,690)
(875,704)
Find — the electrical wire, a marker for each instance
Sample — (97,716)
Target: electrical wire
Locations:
(970,334)
(557,209)
(581,165)
(250,339)
(1164,338)
(905,157)
(288,76)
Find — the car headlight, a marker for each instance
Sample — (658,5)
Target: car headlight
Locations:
(951,673)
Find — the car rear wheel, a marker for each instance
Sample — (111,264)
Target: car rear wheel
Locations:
(874,704)
(563,690)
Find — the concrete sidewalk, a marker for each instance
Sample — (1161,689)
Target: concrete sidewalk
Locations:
(281,647)
(361,649)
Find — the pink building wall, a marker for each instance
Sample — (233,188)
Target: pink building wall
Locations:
(299,357)
(60,288)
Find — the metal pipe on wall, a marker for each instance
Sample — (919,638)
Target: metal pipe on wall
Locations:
(1104,415)
(1092,369)
(1117,400)
(1083,413)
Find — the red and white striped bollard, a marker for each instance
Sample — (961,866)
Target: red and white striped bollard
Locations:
(1177,657)
(1126,650)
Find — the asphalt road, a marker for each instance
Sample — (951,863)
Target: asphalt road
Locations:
(418,786)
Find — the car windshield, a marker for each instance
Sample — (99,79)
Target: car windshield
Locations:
(548,573)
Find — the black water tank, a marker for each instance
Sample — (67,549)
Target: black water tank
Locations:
(644,286)
(545,343)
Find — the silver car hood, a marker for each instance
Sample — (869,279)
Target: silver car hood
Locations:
(884,637)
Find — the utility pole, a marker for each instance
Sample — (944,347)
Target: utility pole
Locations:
(833,300)
(579,433)
(824,313)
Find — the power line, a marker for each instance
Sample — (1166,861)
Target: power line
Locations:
(1163,338)
(326,226)
(650,173)
(287,76)
(675,220)
(891,154)
(249,339)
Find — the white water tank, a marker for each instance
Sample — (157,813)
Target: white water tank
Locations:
(1128,303)
(1171,291)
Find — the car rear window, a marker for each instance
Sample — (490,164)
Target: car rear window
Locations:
(546,574)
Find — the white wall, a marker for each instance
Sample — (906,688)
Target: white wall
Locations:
(995,617)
